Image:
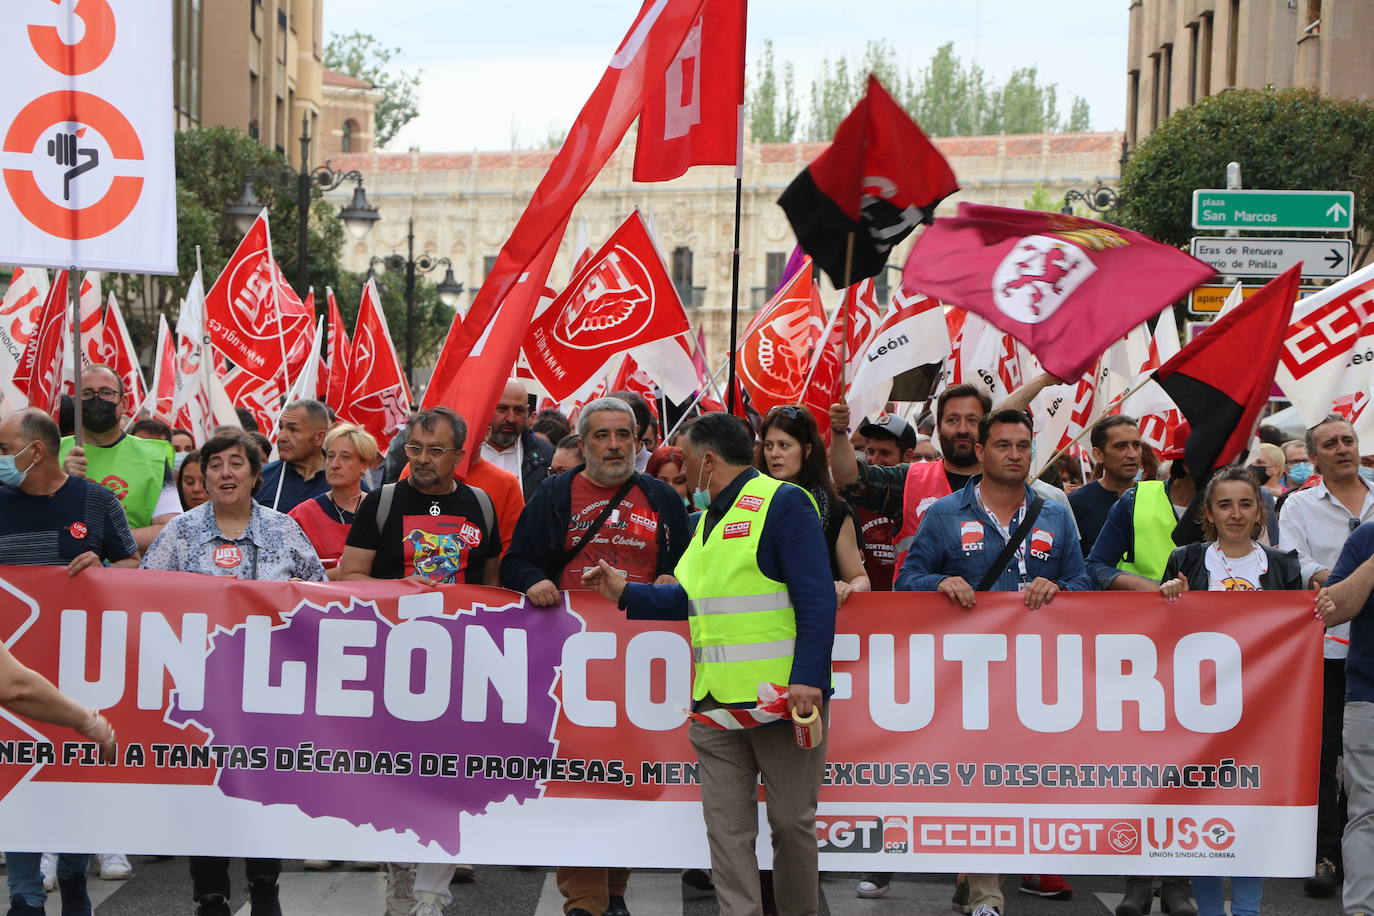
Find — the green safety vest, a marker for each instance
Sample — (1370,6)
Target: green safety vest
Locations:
(743,626)
(132,469)
(1152,523)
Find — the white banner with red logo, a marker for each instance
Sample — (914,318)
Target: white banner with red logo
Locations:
(86,116)
(1102,734)
(1328,352)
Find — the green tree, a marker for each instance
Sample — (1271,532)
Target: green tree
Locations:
(212,165)
(772,101)
(363,57)
(1080,118)
(1040,199)
(1284,140)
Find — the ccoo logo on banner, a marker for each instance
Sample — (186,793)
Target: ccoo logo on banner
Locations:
(87,128)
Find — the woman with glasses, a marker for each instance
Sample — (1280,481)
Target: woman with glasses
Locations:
(233,536)
(791,449)
(348,452)
(1230,559)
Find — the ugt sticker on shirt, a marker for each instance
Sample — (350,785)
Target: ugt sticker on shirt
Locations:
(228,556)
(971,536)
(1041,543)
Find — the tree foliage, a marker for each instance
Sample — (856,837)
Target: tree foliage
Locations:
(947,97)
(363,57)
(212,165)
(1291,139)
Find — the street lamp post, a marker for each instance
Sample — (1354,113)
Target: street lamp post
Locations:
(449,288)
(1101,199)
(357,217)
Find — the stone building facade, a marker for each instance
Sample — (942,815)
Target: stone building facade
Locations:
(465,205)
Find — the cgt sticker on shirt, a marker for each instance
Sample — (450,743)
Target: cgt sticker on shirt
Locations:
(1041,543)
(228,556)
(971,536)
(737,530)
(750,503)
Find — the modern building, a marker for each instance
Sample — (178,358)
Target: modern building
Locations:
(251,64)
(465,204)
(1180,51)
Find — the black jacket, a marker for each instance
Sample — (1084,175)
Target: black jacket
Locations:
(537,548)
(1284,572)
(534,465)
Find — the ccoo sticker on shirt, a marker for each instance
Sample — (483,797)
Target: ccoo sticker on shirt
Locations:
(971,536)
(751,503)
(228,556)
(737,530)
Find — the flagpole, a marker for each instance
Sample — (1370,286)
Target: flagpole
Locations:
(734,275)
(74,292)
(696,400)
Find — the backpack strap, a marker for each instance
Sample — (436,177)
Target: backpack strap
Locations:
(384,506)
(488,510)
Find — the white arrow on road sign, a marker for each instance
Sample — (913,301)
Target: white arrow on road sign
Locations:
(1336,212)
(1257,257)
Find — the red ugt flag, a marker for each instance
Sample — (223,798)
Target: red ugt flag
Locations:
(621,299)
(378,398)
(37,375)
(1064,286)
(778,347)
(696,118)
(339,355)
(876,182)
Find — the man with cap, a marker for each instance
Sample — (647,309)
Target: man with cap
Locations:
(890,441)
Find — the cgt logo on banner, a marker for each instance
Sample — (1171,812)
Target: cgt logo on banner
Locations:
(87,129)
(381,721)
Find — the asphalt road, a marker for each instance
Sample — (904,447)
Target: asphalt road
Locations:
(163,888)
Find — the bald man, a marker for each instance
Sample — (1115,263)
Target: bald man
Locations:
(511,446)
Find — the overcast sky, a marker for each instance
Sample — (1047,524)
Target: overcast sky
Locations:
(495,69)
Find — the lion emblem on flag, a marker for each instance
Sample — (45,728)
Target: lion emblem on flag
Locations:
(1037,276)
(608,306)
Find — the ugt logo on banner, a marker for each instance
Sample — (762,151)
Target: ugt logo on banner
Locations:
(87,136)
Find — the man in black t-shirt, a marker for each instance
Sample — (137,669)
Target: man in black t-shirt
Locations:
(432,529)
(1115,442)
(49,517)
(435,529)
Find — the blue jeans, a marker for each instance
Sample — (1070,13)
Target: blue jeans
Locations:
(26,880)
(1245,896)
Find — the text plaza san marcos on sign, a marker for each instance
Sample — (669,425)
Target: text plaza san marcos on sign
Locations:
(1268,257)
(1285,211)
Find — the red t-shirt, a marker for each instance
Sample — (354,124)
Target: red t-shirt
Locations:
(628,540)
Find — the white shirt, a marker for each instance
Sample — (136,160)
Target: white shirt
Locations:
(1235,574)
(1316,524)
(508,459)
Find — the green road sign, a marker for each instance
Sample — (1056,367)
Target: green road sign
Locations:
(1290,211)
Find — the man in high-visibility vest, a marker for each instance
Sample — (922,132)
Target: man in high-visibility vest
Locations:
(755,587)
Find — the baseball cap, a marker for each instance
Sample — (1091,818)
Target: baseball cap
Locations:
(1174,441)
(894,426)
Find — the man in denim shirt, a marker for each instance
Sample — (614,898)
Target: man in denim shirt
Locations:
(963,534)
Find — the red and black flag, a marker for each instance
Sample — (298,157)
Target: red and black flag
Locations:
(1222,379)
(879,179)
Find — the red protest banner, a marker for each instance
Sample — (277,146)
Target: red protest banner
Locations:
(364,719)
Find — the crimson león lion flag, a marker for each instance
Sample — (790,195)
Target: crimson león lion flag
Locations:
(500,315)
(621,299)
(877,181)
(1222,379)
(1064,286)
(697,115)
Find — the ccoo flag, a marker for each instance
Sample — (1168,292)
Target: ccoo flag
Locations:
(1064,286)
(877,181)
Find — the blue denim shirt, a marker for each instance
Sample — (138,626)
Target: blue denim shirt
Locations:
(958,538)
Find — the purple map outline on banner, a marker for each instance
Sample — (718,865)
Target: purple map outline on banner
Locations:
(429,805)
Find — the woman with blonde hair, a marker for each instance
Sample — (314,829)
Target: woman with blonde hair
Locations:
(349,451)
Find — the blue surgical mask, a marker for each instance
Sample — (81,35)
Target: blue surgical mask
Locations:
(1299,473)
(1367,474)
(701,496)
(11,475)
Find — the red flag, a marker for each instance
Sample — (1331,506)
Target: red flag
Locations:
(378,399)
(623,298)
(338,355)
(1059,284)
(252,314)
(876,182)
(1222,379)
(632,377)
(37,375)
(777,348)
(825,385)
(115,348)
(515,281)
(262,397)
(697,115)
(164,372)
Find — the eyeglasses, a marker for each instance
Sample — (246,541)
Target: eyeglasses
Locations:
(430,451)
(105,394)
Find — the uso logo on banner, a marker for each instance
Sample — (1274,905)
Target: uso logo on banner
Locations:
(87,135)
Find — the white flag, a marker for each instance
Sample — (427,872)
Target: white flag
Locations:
(18,313)
(913,333)
(1328,351)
